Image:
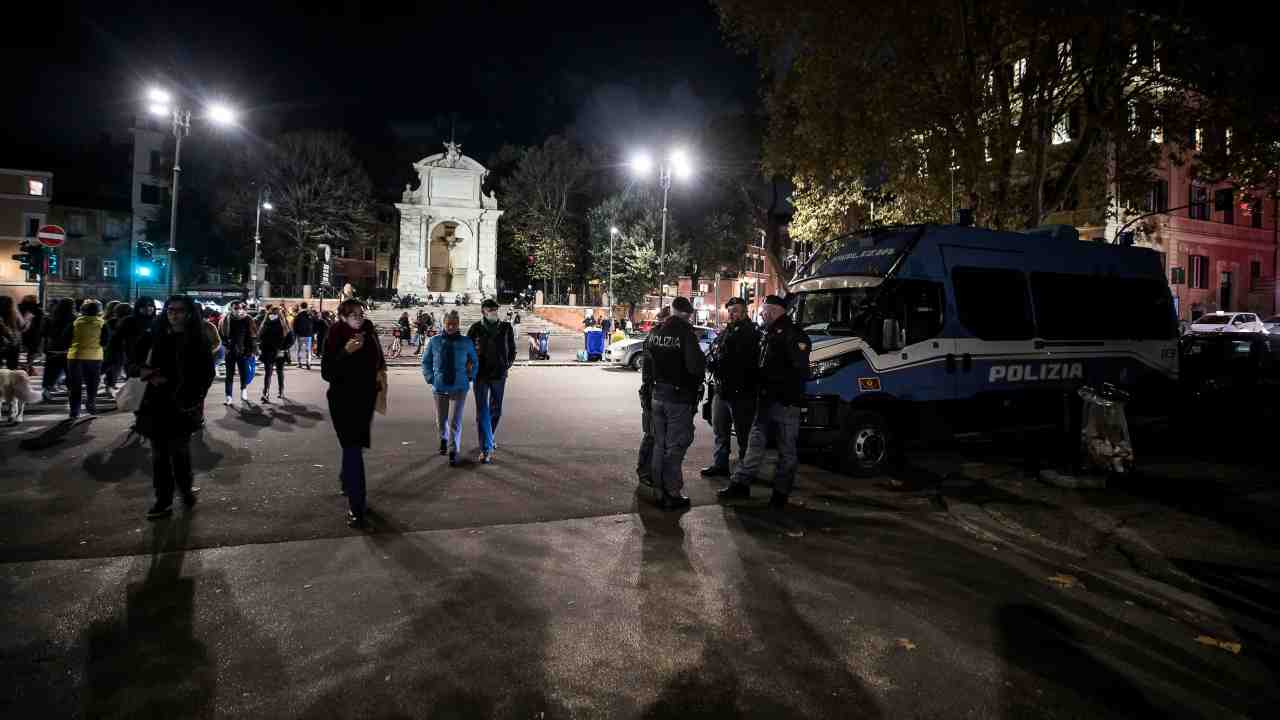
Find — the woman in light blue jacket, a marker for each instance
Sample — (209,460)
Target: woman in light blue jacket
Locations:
(449,365)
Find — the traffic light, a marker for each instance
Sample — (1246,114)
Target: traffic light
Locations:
(31,256)
(53,261)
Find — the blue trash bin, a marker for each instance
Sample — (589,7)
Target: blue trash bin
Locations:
(594,340)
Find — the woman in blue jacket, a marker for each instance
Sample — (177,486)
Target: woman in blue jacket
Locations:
(449,365)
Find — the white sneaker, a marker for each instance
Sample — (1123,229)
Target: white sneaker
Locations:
(244,395)
(229,401)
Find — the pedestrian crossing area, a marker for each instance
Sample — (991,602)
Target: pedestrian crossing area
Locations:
(40,416)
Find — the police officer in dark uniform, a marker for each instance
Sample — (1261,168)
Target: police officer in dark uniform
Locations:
(783,368)
(644,464)
(732,362)
(679,368)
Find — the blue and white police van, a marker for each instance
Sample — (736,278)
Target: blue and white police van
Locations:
(927,329)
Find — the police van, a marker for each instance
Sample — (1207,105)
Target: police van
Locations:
(951,329)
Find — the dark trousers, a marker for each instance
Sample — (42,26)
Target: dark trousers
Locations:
(731,415)
(9,358)
(353,479)
(54,365)
(644,463)
(272,359)
(83,375)
(111,372)
(241,362)
(672,424)
(170,467)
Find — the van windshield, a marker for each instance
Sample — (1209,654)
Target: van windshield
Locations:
(831,312)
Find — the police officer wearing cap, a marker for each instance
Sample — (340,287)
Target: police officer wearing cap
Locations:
(732,362)
(644,464)
(678,371)
(783,369)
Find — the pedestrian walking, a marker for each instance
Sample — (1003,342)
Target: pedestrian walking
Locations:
(353,365)
(644,463)
(84,359)
(57,339)
(273,338)
(113,356)
(31,320)
(323,322)
(240,346)
(10,333)
(678,372)
(732,360)
(782,370)
(449,365)
(495,343)
(304,331)
(423,328)
(131,331)
(177,366)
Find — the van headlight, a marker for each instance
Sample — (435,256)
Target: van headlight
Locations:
(823,368)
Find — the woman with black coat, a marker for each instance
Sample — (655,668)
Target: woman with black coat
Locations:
(177,366)
(355,369)
(57,340)
(273,336)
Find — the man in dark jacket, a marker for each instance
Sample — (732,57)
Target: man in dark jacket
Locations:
(495,343)
(732,363)
(783,368)
(304,331)
(644,464)
(240,339)
(679,368)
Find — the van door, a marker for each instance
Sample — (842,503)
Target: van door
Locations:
(996,350)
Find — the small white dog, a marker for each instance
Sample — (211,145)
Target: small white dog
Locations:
(16,392)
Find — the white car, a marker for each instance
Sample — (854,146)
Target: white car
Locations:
(1220,322)
(627,352)
(1272,324)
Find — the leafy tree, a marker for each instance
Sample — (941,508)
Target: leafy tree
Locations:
(542,195)
(993,88)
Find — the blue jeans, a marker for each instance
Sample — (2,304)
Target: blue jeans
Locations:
(240,362)
(449,408)
(304,351)
(489,409)
(353,479)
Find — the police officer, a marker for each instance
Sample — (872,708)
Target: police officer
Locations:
(783,368)
(644,464)
(732,362)
(678,371)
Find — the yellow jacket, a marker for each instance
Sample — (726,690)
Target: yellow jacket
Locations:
(86,338)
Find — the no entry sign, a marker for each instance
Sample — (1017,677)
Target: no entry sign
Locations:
(51,236)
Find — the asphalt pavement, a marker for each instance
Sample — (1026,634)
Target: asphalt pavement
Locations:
(544,586)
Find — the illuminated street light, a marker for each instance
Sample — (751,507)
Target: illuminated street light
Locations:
(221,114)
(268,206)
(159,97)
(679,164)
(613,234)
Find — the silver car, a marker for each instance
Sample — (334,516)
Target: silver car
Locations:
(1226,322)
(628,352)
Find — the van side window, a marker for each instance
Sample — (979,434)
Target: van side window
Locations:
(1095,307)
(993,303)
(917,305)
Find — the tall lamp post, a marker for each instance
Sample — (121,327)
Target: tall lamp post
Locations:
(677,162)
(161,105)
(257,241)
(613,235)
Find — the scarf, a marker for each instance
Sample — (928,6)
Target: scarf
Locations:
(447,356)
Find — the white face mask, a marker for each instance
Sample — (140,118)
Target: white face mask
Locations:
(490,314)
(241,312)
(274,316)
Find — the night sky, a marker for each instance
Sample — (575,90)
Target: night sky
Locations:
(392,74)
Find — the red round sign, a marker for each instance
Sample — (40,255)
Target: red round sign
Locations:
(51,236)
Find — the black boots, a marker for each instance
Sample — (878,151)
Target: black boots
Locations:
(673,502)
(733,491)
(778,501)
(714,471)
(444,447)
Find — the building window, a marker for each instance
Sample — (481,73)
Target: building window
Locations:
(1224,202)
(1158,196)
(1255,274)
(1200,272)
(382,246)
(75,269)
(75,224)
(1255,213)
(115,229)
(150,194)
(382,279)
(35,187)
(109,269)
(368,253)
(155,162)
(1198,202)
(31,225)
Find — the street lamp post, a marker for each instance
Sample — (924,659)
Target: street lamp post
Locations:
(161,106)
(613,234)
(677,162)
(257,242)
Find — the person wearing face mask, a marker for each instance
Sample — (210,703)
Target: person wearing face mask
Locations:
(354,367)
(495,343)
(781,370)
(177,366)
(240,341)
(449,365)
(271,341)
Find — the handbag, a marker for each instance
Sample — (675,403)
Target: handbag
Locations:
(129,399)
(253,370)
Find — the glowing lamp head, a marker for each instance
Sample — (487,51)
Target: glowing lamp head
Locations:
(641,164)
(156,96)
(221,114)
(681,165)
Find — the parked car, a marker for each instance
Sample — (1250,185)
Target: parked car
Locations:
(627,352)
(1272,325)
(1220,322)
(1222,360)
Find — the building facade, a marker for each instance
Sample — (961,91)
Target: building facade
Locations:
(752,280)
(94,260)
(24,207)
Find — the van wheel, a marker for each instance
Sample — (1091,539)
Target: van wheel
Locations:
(637,361)
(869,447)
